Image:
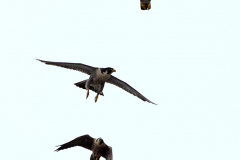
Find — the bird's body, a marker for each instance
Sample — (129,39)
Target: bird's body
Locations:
(101,75)
(145,4)
(97,146)
(97,79)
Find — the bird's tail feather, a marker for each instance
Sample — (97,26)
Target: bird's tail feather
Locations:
(82,85)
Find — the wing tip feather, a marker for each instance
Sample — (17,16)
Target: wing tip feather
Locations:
(58,149)
(40,60)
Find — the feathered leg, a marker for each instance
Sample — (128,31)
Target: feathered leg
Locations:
(149,5)
(87,86)
(99,91)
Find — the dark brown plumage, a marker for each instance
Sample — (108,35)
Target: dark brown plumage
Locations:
(97,146)
(84,141)
(145,4)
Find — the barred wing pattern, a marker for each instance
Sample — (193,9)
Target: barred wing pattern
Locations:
(85,141)
(75,66)
(127,87)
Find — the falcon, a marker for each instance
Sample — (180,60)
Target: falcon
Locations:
(145,4)
(97,79)
(97,146)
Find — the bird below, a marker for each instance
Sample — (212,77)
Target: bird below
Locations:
(97,79)
(145,4)
(97,146)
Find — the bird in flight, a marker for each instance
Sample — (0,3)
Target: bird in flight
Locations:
(145,4)
(97,146)
(97,79)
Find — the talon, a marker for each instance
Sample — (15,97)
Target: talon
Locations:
(87,94)
(96,98)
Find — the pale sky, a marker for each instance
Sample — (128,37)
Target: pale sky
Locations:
(182,55)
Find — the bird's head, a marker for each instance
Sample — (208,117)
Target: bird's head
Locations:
(112,70)
(99,140)
(108,70)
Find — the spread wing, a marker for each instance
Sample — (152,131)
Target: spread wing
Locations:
(85,141)
(127,87)
(75,66)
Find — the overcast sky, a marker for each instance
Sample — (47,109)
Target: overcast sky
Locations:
(182,55)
